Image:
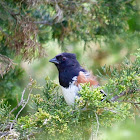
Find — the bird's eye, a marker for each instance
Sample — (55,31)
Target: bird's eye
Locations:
(64,58)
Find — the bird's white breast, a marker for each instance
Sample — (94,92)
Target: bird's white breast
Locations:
(70,93)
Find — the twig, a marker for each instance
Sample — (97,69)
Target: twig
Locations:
(20,110)
(59,16)
(8,62)
(98,124)
(21,103)
(3,134)
(111,110)
(130,102)
(24,104)
(45,22)
(21,100)
(122,94)
(118,96)
(5,58)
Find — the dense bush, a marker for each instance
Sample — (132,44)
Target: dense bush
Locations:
(52,118)
(38,22)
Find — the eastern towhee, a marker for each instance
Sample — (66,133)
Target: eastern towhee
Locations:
(71,74)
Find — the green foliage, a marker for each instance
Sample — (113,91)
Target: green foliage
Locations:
(5,117)
(52,118)
(38,22)
(57,120)
(8,84)
(8,119)
(9,81)
(108,111)
(27,25)
(124,78)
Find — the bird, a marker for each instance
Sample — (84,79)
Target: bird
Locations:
(71,75)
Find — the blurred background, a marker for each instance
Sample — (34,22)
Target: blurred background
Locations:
(92,58)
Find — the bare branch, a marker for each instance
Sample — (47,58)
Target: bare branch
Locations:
(118,96)
(22,102)
(59,16)
(98,124)
(123,94)
(45,22)
(3,134)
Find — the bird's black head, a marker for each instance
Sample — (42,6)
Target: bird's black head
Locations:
(65,61)
(68,67)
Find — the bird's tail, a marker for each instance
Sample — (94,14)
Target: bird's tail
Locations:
(104,95)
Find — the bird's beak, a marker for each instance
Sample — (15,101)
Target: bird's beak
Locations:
(54,60)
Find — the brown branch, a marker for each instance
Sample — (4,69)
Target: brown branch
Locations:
(118,96)
(122,94)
